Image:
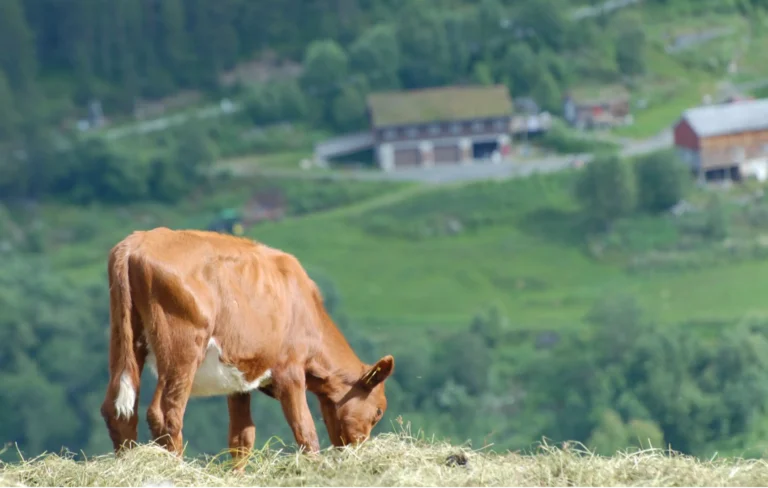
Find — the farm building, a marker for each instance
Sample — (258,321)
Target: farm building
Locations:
(434,126)
(608,107)
(725,140)
(440,125)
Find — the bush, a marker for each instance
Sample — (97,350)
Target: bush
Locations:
(662,181)
(278,101)
(567,141)
(608,190)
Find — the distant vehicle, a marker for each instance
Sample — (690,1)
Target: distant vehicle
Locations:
(229,221)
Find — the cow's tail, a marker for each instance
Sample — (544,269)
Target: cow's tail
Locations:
(123,367)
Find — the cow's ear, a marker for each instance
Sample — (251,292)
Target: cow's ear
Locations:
(378,372)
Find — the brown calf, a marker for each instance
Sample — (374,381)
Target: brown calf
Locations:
(214,314)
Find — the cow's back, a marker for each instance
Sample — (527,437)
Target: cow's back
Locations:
(247,297)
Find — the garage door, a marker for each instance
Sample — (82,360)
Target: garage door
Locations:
(407,157)
(447,154)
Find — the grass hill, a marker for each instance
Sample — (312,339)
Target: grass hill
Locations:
(436,257)
(391,460)
(413,258)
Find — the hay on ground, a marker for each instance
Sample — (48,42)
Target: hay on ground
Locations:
(390,460)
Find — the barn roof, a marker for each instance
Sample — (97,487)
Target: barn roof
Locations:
(728,118)
(445,104)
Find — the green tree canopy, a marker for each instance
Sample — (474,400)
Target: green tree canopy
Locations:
(662,180)
(376,56)
(607,189)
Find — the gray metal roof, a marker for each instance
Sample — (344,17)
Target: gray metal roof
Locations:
(728,118)
(348,143)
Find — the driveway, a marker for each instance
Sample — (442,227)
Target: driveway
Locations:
(479,170)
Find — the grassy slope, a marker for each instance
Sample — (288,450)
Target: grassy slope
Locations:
(672,83)
(538,275)
(100,227)
(392,460)
(533,264)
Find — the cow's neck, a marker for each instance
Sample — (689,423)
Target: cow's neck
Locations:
(335,368)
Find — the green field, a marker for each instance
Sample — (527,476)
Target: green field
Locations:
(541,278)
(521,248)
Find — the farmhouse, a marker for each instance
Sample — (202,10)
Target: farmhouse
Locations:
(608,108)
(725,140)
(438,126)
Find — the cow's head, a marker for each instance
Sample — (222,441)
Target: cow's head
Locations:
(351,419)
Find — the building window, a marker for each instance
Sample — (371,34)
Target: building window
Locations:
(477,126)
(434,129)
(412,132)
(455,128)
(390,134)
(498,125)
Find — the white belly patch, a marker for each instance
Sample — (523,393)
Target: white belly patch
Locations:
(214,378)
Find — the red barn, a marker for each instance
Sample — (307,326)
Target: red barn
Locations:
(727,140)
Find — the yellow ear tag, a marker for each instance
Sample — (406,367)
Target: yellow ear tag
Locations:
(372,374)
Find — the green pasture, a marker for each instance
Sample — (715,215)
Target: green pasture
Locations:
(532,263)
(522,249)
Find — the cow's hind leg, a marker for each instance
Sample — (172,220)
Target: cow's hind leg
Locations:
(242,431)
(174,385)
(122,391)
(166,412)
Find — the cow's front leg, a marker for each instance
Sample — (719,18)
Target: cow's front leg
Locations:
(242,432)
(291,391)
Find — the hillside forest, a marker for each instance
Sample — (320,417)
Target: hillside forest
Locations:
(619,305)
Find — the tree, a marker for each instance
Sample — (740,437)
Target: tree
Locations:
(349,109)
(609,436)
(174,42)
(194,154)
(646,434)
(471,371)
(546,91)
(214,38)
(18,59)
(522,67)
(459,34)
(662,181)
(673,386)
(425,53)
(275,102)
(165,181)
(376,55)
(325,68)
(619,322)
(612,434)
(48,340)
(98,173)
(630,44)
(547,20)
(489,326)
(489,15)
(9,118)
(607,189)
(481,74)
